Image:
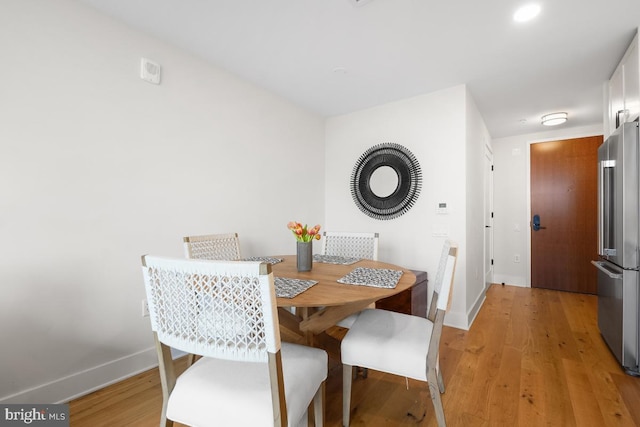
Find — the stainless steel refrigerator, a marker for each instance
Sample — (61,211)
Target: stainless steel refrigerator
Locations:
(618,239)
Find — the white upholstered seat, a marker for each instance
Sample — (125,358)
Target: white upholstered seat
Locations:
(226,312)
(196,400)
(401,344)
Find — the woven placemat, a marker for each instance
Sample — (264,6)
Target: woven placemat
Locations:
(335,259)
(375,277)
(290,288)
(268,260)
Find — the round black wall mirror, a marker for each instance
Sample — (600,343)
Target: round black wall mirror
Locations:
(386,181)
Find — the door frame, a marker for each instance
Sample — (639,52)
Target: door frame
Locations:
(560,136)
(488,234)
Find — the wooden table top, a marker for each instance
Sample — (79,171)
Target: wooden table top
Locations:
(328,292)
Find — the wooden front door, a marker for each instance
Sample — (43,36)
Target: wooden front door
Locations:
(564,181)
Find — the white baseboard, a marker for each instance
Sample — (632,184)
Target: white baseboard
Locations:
(456,320)
(475,309)
(510,280)
(461,320)
(73,386)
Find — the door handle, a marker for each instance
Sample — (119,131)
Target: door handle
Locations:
(535,224)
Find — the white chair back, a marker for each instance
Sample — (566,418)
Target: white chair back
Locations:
(444,269)
(182,295)
(213,246)
(347,244)
(446,281)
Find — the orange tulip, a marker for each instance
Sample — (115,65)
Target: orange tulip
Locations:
(303,233)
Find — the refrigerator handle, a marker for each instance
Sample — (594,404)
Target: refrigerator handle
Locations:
(605,211)
(620,117)
(600,266)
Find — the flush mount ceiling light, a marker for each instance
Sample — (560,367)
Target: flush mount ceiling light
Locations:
(526,12)
(554,119)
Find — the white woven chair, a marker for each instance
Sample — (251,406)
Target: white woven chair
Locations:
(402,344)
(353,245)
(348,244)
(226,312)
(213,246)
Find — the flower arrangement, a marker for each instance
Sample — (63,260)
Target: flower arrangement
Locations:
(302,233)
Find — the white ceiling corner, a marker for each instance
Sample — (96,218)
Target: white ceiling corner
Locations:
(395,49)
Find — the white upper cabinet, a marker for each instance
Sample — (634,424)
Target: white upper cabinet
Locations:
(616,98)
(624,89)
(632,83)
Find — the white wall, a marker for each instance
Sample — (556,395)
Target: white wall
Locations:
(99,167)
(434,128)
(511,201)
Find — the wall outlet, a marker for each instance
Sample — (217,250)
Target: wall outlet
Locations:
(516,258)
(145,308)
(439,231)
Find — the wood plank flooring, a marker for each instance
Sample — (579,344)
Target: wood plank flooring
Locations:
(533,357)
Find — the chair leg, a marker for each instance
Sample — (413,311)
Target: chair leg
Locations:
(318,406)
(165,422)
(358,371)
(167,378)
(440,381)
(347,372)
(434,391)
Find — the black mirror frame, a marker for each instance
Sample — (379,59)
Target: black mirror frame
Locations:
(406,166)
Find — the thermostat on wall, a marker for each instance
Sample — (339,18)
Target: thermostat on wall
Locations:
(442,208)
(150,71)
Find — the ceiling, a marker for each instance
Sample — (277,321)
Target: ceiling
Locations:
(335,57)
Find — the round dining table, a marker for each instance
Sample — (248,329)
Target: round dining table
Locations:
(327,302)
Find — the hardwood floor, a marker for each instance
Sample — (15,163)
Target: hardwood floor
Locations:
(533,357)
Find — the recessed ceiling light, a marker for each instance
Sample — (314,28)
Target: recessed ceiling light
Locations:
(526,12)
(554,119)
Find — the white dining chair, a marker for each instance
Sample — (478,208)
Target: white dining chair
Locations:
(362,245)
(213,246)
(351,244)
(226,312)
(225,246)
(402,344)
